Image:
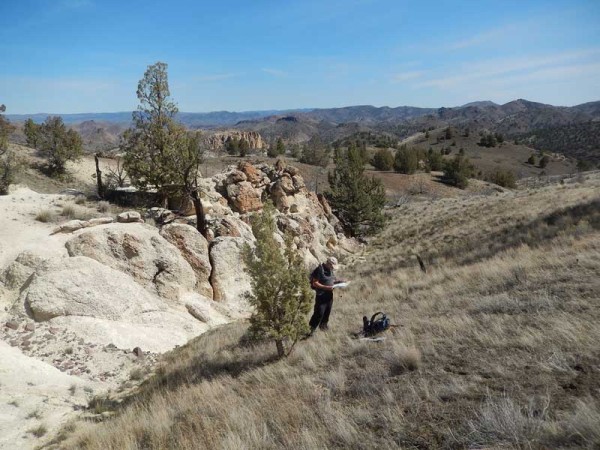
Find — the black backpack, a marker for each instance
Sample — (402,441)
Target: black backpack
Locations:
(314,274)
(379,322)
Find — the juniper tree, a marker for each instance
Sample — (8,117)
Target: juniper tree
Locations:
(356,199)
(159,152)
(458,171)
(383,159)
(32,133)
(59,144)
(9,163)
(280,293)
(406,160)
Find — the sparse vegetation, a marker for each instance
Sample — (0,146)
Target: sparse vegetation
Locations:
(458,171)
(406,160)
(280,293)
(383,159)
(484,346)
(356,199)
(9,163)
(39,431)
(504,178)
(59,144)
(45,215)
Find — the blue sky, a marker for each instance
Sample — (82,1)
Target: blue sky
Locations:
(67,56)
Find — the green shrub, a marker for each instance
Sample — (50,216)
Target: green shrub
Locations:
(383,159)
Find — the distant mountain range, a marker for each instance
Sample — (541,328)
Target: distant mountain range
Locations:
(574,131)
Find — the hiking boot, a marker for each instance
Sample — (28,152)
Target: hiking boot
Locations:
(309,334)
(324,328)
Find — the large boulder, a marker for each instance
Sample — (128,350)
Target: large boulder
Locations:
(194,248)
(21,269)
(141,252)
(81,286)
(229,279)
(244,197)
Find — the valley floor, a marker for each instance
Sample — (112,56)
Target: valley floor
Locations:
(496,345)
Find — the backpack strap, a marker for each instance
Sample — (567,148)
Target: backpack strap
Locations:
(374,316)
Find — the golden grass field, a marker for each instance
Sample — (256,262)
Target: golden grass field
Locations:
(496,346)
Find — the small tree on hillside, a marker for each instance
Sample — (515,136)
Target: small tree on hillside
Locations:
(244,147)
(406,160)
(383,159)
(356,199)
(315,153)
(458,171)
(232,145)
(9,163)
(280,147)
(160,153)
(531,160)
(544,160)
(280,293)
(32,133)
(435,161)
(59,144)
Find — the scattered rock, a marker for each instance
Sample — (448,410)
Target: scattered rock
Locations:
(129,217)
(13,325)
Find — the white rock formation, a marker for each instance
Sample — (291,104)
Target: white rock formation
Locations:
(141,252)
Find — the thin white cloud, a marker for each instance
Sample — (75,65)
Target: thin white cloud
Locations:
(482,38)
(274,72)
(504,66)
(216,77)
(406,76)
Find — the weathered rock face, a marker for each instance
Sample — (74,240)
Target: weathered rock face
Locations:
(244,197)
(81,286)
(229,279)
(194,248)
(216,141)
(141,252)
(21,269)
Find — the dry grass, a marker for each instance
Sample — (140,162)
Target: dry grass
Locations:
(495,346)
(45,215)
(73,212)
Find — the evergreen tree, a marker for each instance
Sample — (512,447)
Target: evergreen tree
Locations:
(32,132)
(232,145)
(458,171)
(383,159)
(159,152)
(9,163)
(244,147)
(531,160)
(406,160)
(316,153)
(544,161)
(280,148)
(356,199)
(281,294)
(435,161)
(59,144)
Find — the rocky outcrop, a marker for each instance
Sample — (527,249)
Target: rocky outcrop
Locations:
(141,252)
(229,279)
(194,248)
(217,140)
(81,286)
(244,197)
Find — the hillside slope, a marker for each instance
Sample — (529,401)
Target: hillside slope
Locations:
(496,345)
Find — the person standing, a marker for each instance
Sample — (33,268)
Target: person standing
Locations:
(322,280)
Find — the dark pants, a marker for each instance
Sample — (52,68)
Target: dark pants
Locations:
(323,304)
